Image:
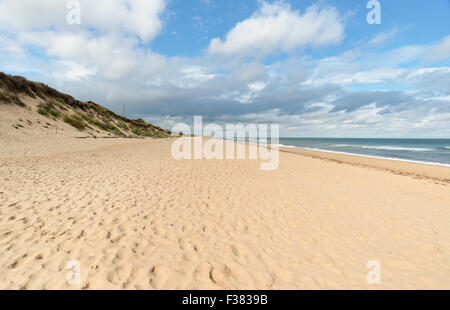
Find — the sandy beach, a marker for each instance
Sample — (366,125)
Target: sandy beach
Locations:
(202,145)
(135,218)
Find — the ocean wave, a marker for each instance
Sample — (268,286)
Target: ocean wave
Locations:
(386,147)
(284,145)
(380,157)
(397,148)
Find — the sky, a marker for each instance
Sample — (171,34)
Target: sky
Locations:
(316,68)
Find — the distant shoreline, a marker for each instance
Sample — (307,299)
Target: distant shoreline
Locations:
(370,156)
(438,172)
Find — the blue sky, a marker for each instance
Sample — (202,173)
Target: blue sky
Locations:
(315,67)
(190,25)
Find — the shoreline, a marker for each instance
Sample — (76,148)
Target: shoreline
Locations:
(415,169)
(370,156)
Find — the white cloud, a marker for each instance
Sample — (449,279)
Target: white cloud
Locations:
(382,37)
(107,41)
(135,17)
(424,71)
(191,77)
(381,75)
(10,47)
(441,50)
(73,71)
(257,86)
(275,27)
(114,56)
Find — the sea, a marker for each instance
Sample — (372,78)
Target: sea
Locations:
(430,151)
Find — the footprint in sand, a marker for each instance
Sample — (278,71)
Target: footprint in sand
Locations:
(220,275)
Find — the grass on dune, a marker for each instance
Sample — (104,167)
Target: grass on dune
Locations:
(48,110)
(75,121)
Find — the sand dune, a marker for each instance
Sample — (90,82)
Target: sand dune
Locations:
(137,219)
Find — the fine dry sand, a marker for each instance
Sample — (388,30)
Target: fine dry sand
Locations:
(137,219)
